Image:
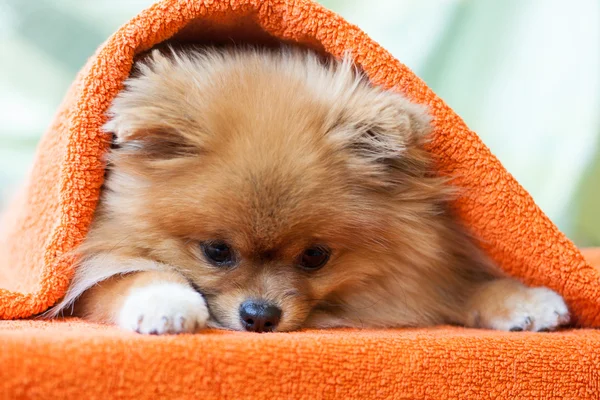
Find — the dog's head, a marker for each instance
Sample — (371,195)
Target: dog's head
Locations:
(271,180)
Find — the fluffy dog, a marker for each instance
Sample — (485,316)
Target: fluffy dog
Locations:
(272,190)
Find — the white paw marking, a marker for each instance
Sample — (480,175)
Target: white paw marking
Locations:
(163,308)
(521,309)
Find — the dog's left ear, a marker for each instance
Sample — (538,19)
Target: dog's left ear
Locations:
(381,127)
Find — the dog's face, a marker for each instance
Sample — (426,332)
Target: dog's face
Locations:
(266,179)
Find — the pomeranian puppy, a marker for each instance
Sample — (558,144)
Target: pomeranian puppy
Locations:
(272,190)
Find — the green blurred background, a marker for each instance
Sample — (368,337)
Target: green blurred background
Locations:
(524,74)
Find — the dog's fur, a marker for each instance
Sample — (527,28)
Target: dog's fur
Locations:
(273,152)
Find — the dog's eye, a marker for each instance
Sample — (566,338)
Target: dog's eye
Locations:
(218,253)
(314,258)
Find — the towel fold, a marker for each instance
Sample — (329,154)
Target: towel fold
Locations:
(54,211)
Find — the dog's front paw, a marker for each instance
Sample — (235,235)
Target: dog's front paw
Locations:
(508,305)
(163,308)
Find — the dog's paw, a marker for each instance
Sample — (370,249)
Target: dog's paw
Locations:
(163,308)
(508,305)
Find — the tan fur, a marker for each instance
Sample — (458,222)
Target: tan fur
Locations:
(275,151)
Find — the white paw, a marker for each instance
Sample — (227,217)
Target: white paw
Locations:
(511,306)
(162,308)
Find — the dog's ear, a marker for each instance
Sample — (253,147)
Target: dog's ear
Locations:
(389,126)
(154,143)
(381,128)
(148,118)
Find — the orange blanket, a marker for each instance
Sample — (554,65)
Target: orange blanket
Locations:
(53,213)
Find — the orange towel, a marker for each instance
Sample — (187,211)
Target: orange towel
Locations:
(53,213)
(73,361)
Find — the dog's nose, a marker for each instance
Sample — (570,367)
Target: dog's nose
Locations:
(258,316)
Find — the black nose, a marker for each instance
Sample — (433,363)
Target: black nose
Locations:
(258,316)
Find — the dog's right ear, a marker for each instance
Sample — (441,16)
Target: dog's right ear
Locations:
(152,142)
(148,117)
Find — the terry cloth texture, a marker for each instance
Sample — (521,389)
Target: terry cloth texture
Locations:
(53,212)
(73,360)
